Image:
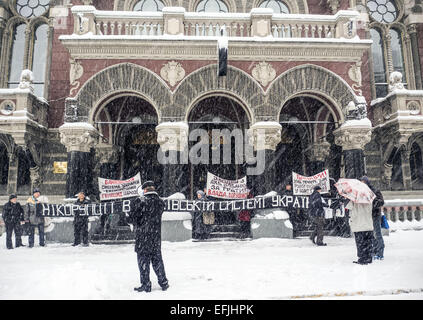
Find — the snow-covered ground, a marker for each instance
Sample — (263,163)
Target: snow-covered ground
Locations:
(258,269)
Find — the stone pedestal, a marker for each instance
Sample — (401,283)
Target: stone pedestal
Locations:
(352,136)
(173,155)
(79,138)
(264,138)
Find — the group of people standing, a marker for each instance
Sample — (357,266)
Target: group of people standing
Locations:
(16,218)
(364,221)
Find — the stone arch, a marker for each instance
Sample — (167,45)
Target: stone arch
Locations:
(233,6)
(128,5)
(311,79)
(123,77)
(295,6)
(204,81)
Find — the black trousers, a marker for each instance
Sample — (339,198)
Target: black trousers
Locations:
(319,223)
(363,241)
(32,234)
(81,227)
(10,227)
(245,228)
(144,259)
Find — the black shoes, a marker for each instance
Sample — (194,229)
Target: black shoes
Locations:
(143,288)
(322,244)
(361,262)
(165,287)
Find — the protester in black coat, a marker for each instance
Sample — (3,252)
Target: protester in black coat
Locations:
(317,213)
(147,220)
(378,245)
(199,229)
(12,217)
(292,212)
(80,222)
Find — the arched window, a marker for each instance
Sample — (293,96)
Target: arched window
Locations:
(379,67)
(149,5)
(17,56)
(396,47)
(384,11)
(212,6)
(278,6)
(39,61)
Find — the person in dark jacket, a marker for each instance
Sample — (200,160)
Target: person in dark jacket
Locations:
(34,219)
(378,245)
(292,212)
(147,220)
(80,222)
(244,218)
(317,212)
(12,217)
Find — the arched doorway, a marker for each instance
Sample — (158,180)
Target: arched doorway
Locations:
(128,122)
(209,115)
(416,166)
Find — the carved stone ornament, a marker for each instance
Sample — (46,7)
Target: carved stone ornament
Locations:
(173,26)
(334,5)
(76,71)
(263,28)
(172,136)
(387,173)
(413,107)
(265,135)
(78,136)
(355,75)
(264,73)
(35,176)
(351,137)
(172,72)
(27,80)
(395,81)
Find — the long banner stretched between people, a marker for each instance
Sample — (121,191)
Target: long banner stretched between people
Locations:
(174,205)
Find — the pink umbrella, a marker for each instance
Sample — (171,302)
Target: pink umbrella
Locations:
(355,190)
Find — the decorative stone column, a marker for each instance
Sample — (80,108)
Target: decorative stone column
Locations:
(352,136)
(79,138)
(173,155)
(405,167)
(264,137)
(412,31)
(12,178)
(317,154)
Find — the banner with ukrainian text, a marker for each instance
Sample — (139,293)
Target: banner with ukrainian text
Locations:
(119,189)
(303,185)
(226,189)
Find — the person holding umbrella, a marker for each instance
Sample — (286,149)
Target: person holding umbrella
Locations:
(361,222)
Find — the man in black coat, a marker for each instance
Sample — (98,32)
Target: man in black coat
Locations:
(80,222)
(147,220)
(317,212)
(12,217)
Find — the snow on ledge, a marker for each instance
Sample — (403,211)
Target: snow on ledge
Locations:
(363,123)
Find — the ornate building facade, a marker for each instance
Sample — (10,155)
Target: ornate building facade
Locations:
(99,86)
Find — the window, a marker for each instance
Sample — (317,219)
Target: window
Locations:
(396,47)
(39,61)
(32,8)
(379,67)
(17,56)
(277,6)
(384,11)
(149,5)
(212,6)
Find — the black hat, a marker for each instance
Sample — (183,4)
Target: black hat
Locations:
(148,184)
(12,196)
(81,191)
(36,190)
(317,188)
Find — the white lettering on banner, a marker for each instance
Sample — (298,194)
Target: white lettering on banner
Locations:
(303,185)
(126,207)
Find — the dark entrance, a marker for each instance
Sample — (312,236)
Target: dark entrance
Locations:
(209,114)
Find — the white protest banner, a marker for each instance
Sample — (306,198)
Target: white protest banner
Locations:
(304,185)
(226,189)
(118,189)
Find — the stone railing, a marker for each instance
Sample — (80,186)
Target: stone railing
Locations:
(175,21)
(404,214)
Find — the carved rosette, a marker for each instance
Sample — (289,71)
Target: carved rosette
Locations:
(78,136)
(264,73)
(319,151)
(172,136)
(353,135)
(172,72)
(265,135)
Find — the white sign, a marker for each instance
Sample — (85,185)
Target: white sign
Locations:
(118,189)
(226,189)
(304,185)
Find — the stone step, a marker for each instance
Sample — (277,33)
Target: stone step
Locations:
(226,228)
(213,235)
